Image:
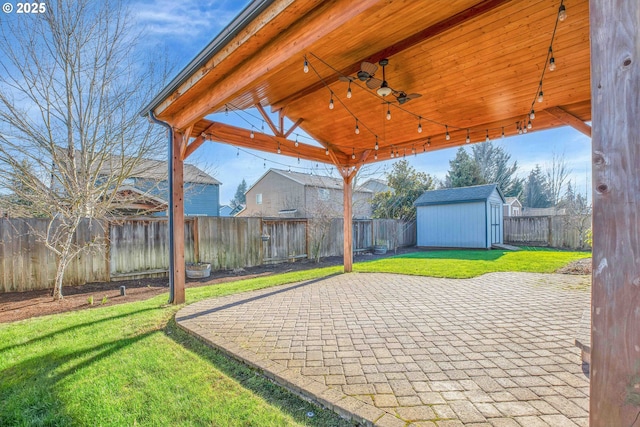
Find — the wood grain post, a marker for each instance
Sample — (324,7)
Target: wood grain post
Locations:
(177,164)
(348,223)
(615,294)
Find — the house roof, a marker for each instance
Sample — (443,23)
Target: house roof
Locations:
(512,200)
(375,185)
(474,193)
(319,181)
(157,170)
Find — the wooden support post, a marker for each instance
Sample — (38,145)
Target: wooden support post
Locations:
(348,221)
(615,292)
(177,165)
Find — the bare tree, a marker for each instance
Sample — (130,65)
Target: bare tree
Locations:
(70,86)
(557,173)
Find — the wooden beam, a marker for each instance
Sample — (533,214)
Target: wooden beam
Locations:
(292,128)
(281,122)
(327,17)
(570,120)
(615,291)
(432,31)
(185,142)
(267,119)
(347,176)
(239,137)
(177,165)
(200,139)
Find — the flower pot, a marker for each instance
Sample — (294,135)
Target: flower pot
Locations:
(198,271)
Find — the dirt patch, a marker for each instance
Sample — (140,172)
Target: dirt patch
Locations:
(581,267)
(23,305)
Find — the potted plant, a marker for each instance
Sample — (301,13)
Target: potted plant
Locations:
(380,248)
(197,269)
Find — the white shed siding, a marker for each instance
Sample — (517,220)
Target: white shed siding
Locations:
(462,225)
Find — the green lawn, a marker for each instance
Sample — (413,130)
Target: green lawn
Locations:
(469,263)
(129,364)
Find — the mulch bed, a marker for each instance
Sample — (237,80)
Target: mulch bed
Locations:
(23,305)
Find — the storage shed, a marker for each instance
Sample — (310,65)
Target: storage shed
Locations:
(466,217)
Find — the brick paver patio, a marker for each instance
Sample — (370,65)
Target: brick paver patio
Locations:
(394,350)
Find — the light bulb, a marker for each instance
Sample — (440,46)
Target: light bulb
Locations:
(357,129)
(429,142)
(468,140)
(353,156)
(331,103)
(349,91)
(392,155)
(251,135)
(306,66)
(529,125)
(552,64)
(532,115)
(524,130)
(502,132)
(278,148)
(419,127)
(562,13)
(326,152)
(376,147)
(413,150)
(487,137)
(540,97)
(447,136)
(226,111)
(375,156)
(388,114)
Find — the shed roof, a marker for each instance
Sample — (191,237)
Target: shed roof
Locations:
(474,193)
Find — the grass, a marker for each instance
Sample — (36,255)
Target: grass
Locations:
(129,364)
(462,264)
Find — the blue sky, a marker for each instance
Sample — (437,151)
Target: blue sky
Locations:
(183,29)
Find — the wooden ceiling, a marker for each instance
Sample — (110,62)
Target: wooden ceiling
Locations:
(477,65)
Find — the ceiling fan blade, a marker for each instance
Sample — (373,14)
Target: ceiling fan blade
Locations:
(414,95)
(368,68)
(374,83)
(347,79)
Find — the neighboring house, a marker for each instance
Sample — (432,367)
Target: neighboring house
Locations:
(228,210)
(279,193)
(375,185)
(512,207)
(146,190)
(466,217)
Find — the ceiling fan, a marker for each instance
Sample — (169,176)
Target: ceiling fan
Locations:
(367,75)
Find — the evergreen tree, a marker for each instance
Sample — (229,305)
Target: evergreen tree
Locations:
(407,185)
(463,171)
(493,162)
(240,198)
(536,190)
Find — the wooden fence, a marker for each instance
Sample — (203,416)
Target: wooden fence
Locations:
(139,247)
(559,231)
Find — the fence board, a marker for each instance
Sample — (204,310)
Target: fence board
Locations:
(561,231)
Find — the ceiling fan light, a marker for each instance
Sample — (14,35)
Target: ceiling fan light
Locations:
(384,90)
(363,75)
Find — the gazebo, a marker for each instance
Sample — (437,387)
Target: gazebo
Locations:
(371,80)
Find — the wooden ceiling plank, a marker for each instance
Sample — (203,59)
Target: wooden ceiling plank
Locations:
(327,17)
(419,37)
(569,119)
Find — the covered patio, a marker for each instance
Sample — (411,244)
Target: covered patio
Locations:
(372,80)
(395,350)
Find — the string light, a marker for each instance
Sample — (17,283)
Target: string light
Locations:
(524,127)
(388,112)
(375,156)
(376,146)
(357,128)
(331,102)
(419,124)
(540,97)
(429,142)
(487,137)
(468,140)
(519,129)
(424,148)
(252,135)
(296,143)
(278,148)
(226,110)
(392,154)
(502,132)
(353,153)
(306,66)
(264,164)
(562,13)
(529,125)
(552,61)
(532,115)
(326,151)
(413,150)
(447,136)
(349,91)
(238,153)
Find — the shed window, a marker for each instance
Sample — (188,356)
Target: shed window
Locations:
(259,199)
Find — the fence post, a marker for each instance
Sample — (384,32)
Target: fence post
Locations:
(196,241)
(550,238)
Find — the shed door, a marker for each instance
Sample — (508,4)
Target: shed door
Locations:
(496,213)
